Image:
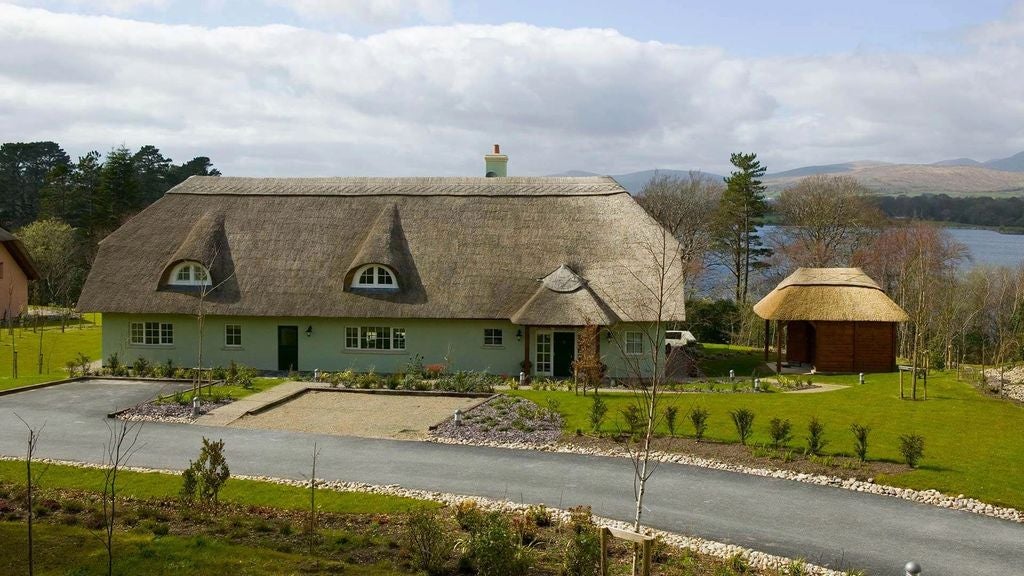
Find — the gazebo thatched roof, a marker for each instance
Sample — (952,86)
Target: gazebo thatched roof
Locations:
(19,253)
(459,247)
(829,294)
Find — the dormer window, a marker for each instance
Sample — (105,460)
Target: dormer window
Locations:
(189,274)
(375,276)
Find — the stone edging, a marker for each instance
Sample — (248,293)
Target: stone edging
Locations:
(931,497)
(756,559)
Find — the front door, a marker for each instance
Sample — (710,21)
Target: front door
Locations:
(287,348)
(565,354)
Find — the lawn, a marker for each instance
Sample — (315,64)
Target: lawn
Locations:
(716,360)
(974,444)
(57,349)
(246,492)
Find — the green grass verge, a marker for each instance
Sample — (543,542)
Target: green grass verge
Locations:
(72,550)
(974,443)
(57,347)
(247,492)
(717,359)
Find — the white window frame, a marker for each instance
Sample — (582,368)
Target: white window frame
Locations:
(543,361)
(633,343)
(189,273)
(228,335)
(360,336)
(494,338)
(377,274)
(146,333)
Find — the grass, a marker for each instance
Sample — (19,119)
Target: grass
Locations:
(57,348)
(973,442)
(246,492)
(717,359)
(76,551)
(234,391)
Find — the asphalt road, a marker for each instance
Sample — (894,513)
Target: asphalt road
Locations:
(827,526)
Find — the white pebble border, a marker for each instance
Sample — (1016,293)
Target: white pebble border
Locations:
(1016,392)
(932,497)
(756,559)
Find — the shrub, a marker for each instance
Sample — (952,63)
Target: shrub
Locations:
(415,367)
(598,410)
(912,448)
(468,515)
(115,366)
(204,478)
(466,381)
(634,421)
(780,431)
(219,373)
(671,412)
(815,436)
(699,419)
(368,380)
(860,436)
(496,549)
(429,541)
(743,419)
(738,564)
(540,515)
(582,555)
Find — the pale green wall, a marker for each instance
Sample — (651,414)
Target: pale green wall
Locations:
(460,341)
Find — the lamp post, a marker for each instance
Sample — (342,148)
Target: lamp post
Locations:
(458,418)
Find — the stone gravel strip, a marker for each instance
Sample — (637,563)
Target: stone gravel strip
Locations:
(932,497)
(756,559)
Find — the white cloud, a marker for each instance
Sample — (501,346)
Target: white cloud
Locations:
(431,100)
(105,6)
(374,12)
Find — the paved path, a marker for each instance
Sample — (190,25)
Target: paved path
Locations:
(825,525)
(230,412)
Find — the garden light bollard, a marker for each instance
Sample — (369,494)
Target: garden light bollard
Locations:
(316,375)
(522,378)
(458,418)
(195,406)
(860,378)
(732,375)
(912,568)
(757,384)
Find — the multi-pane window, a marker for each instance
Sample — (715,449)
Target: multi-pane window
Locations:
(543,353)
(374,338)
(232,334)
(375,277)
(190,274)
(634,343)
(493,337)
(151,333)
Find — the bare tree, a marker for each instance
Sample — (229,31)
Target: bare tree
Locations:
(684,206)
(312,506)
(660,278)
(122,445)
(31,482)
(204,291)
(827,220)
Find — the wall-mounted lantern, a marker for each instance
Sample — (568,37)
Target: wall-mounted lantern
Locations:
(309,331)
(519,335)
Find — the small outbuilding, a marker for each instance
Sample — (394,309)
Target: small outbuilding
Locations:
(834,319)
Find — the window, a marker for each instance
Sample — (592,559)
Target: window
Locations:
(151,333)
(232,334)
(190,274)
(375,277)
(634,343)
(543,353)
(493,337)
(374,338)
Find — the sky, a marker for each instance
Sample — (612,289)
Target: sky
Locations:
(425,87)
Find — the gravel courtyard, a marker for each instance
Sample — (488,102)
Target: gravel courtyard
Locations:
(397,416)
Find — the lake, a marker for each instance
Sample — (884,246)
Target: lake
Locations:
(987,247)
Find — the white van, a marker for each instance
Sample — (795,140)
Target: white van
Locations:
(676,338)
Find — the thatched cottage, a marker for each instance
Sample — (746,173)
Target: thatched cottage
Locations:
(834,319)
(489,273)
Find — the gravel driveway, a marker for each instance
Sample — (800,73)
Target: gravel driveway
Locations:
(396,416)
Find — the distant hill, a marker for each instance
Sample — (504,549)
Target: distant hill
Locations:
(955,177)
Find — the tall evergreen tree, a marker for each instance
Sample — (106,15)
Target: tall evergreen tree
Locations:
(118,191)
(23,170)
(154,174)
(198,166)
(740,211)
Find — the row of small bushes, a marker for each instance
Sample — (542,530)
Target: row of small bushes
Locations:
(780,430)
(234,374)
(461,381)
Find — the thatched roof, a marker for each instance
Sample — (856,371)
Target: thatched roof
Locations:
(19,253)
(461,248)
(829,294)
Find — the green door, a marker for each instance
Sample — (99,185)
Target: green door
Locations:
(287,348)
(565,354)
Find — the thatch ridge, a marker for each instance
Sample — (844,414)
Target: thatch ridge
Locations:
(400,186)
(829,294)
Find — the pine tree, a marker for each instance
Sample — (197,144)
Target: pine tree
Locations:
(740,211)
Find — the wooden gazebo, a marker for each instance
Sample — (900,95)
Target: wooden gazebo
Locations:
(834,319)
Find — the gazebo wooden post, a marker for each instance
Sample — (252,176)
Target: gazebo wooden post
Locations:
(778,346)
(767,336)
